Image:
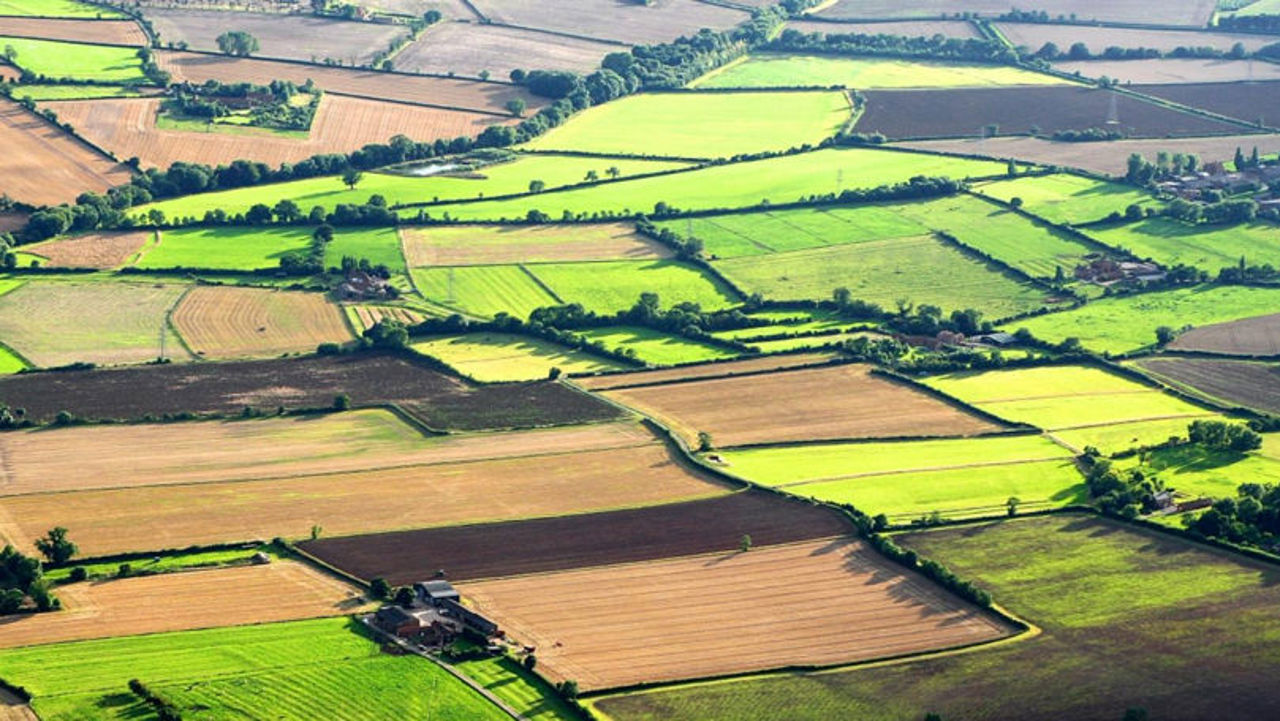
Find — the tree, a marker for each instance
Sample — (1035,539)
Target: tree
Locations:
(613,172)
(56,547)
(516,106)
(704,442)
(536,186)
(554,373)
(351,178)
(592,176)
(11,600)
(238,43)
(530,662)
(745,544)
(341,402)
(1136,714)
(1015,201)
(405,596)
(316,530)
(258,214)
(1165,335)
(287,211)
(379,588)
(323,233)
(568,689)
(1011,506)
(10,54)
(484,74)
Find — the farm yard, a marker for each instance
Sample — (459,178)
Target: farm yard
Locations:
(229,322)
(1236,383)
(293,37)
(769,70)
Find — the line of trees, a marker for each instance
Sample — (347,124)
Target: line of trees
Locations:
(936,47)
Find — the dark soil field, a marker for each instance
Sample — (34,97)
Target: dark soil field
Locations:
(914,113)
(1250,102)
(439,400)
(594,539)
(1243,383)
(1257,336)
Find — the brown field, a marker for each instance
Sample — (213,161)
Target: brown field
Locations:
(489,244)
(1252,336)
(281,591)
(907,28)
(12,708)
(1193,13)
(1109,158)
(468,48)
(1172,70)
(617,20)
(1250,102)
(449,8)
(912,113)
(439,92)
(230,322)
(1097,39)
(92,250)
(76,459)
(811,404)
(294,37)
(10,222)
(370,315)
(157,517)
(707,370)
(108,32)
(1231,382)
(127,127)
(820,602)
(42,165)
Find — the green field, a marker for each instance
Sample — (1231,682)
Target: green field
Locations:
(818,321)
(1064,198)
(73,92)
(921,269)
(701,125)
(164,562)
(54,59)
(1261,7)
(326,668)
(327,191)
(55,8)
(782,345)
(10,362)
(1130,618)
(531,697)
(483,290)
(785,179)
(499,357)
(1127,324)
(1172,242)
(655,348)
(1198,471)
(768,71)
(225,248)
(380,246)
(610,286)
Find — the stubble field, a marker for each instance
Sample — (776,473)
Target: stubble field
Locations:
(45,166)
(232,322)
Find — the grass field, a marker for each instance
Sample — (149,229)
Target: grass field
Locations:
(498,357)
(1064,198)
(55,8)
(921,269)
(54,59)
(496,244)
(697,125)
(167,562)
(1197,471)
(532,697)
(483,290)
(1172,242)
(73,92)
(381,246)
(612,286)
(224,248)
(1126,324)
(10,362)
(654,347)
(767,70)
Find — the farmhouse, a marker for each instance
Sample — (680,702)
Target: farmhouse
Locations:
(436,616)
(365,286)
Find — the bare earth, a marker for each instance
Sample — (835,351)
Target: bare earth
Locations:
(468,48)
(1173,70)
(231,322)
(43,165)
(296,37)
(108,32)
(707,370)
(490,245)
(907,28)
(281,591)
(820,602)
(1097,39)
(619,20)
(1193,13)
(103,250)
(1251,336)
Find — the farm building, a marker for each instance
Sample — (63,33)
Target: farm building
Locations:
(435,593)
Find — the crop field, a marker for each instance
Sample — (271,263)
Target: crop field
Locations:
(1228,382)
(468,48)
(493,550)
(484,290)
(610,20)
(702,125)
(844,401)
(715,370)
(1164,71)
(778,180)
(295,37)
(904,114)
(1033,36)
(510,488)
(655,347)
(502,357)
(770,70)
(498,244)
(44,165)
(55,8)
(1259,335)
(1194,13)
(1122,325)
(612,286)
(922,269)
(229,322)
(53,59)
(1068,199)
(1252,102)
(1104,635)
(91,250)
(50,322)
(281,591)
(109,32)
(364,317)
(1172,242)
(224,248)
(668,619)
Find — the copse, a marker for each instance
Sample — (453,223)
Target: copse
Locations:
(238,43)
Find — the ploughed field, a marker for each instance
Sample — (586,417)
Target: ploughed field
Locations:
(1259,336)
(763,364)
(1233,382)
(44,166)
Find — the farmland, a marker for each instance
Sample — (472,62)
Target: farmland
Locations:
(894,614)
(1104,635)
(54,8)
(484,290)
(1250,102)
(717,370)
(1172,70)
(698,125)
(1033,36)
(53,59)
(91,250)
(122,32)
(380,246)
(654,347)
(612,286)
(295,37)
(468,48)
(1211,248)
(497,244)
(1259,335)
(1233,383)
(499,357)
(844,401)
(606,20)
(230,322)
(1194,13)
(224,248)
(77,92)
(767,70)
(1197,472)
(45,165)
(534,699)
(1069,199)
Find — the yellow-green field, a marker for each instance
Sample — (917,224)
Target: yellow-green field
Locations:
(767,70)
(498,357)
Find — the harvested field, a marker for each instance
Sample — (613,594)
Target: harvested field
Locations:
(844,401)
(229,322)
(468,48)
(1033,36)
(1250,102)
(439,400)
(109,32)
(364,317)
(708,370)
(912,113)
(1251,336)
(569,542)
(103,250)
(76,459)
(616,20)
(295,37)
(505,357)
(499,244)
(1229,382)
(828,602)
(43,165)
(440,92)
(1193,13)
(281,591)
(127,127)
(553,484)
(906,28)
(1163,71)
(12,708)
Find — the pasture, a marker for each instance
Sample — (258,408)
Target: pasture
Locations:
(701,125)
(667,617)
(1252,102)
(498,244)
(231,322)
(380,246)
(1199,472)
(921,269)
(1068,199)
(609,20)
(501,357)
(1258,335)
(1167,71)
(770,70)
(1116,643)
(102,251)
(74,92)
(55,8)
(483,290)
(44,165)
(655,347)
(608,287)
(1124,325)
(716,370)
(225,248)
(54,59)
(532,697)
(1211,248)
(844,401)
(1226,382)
